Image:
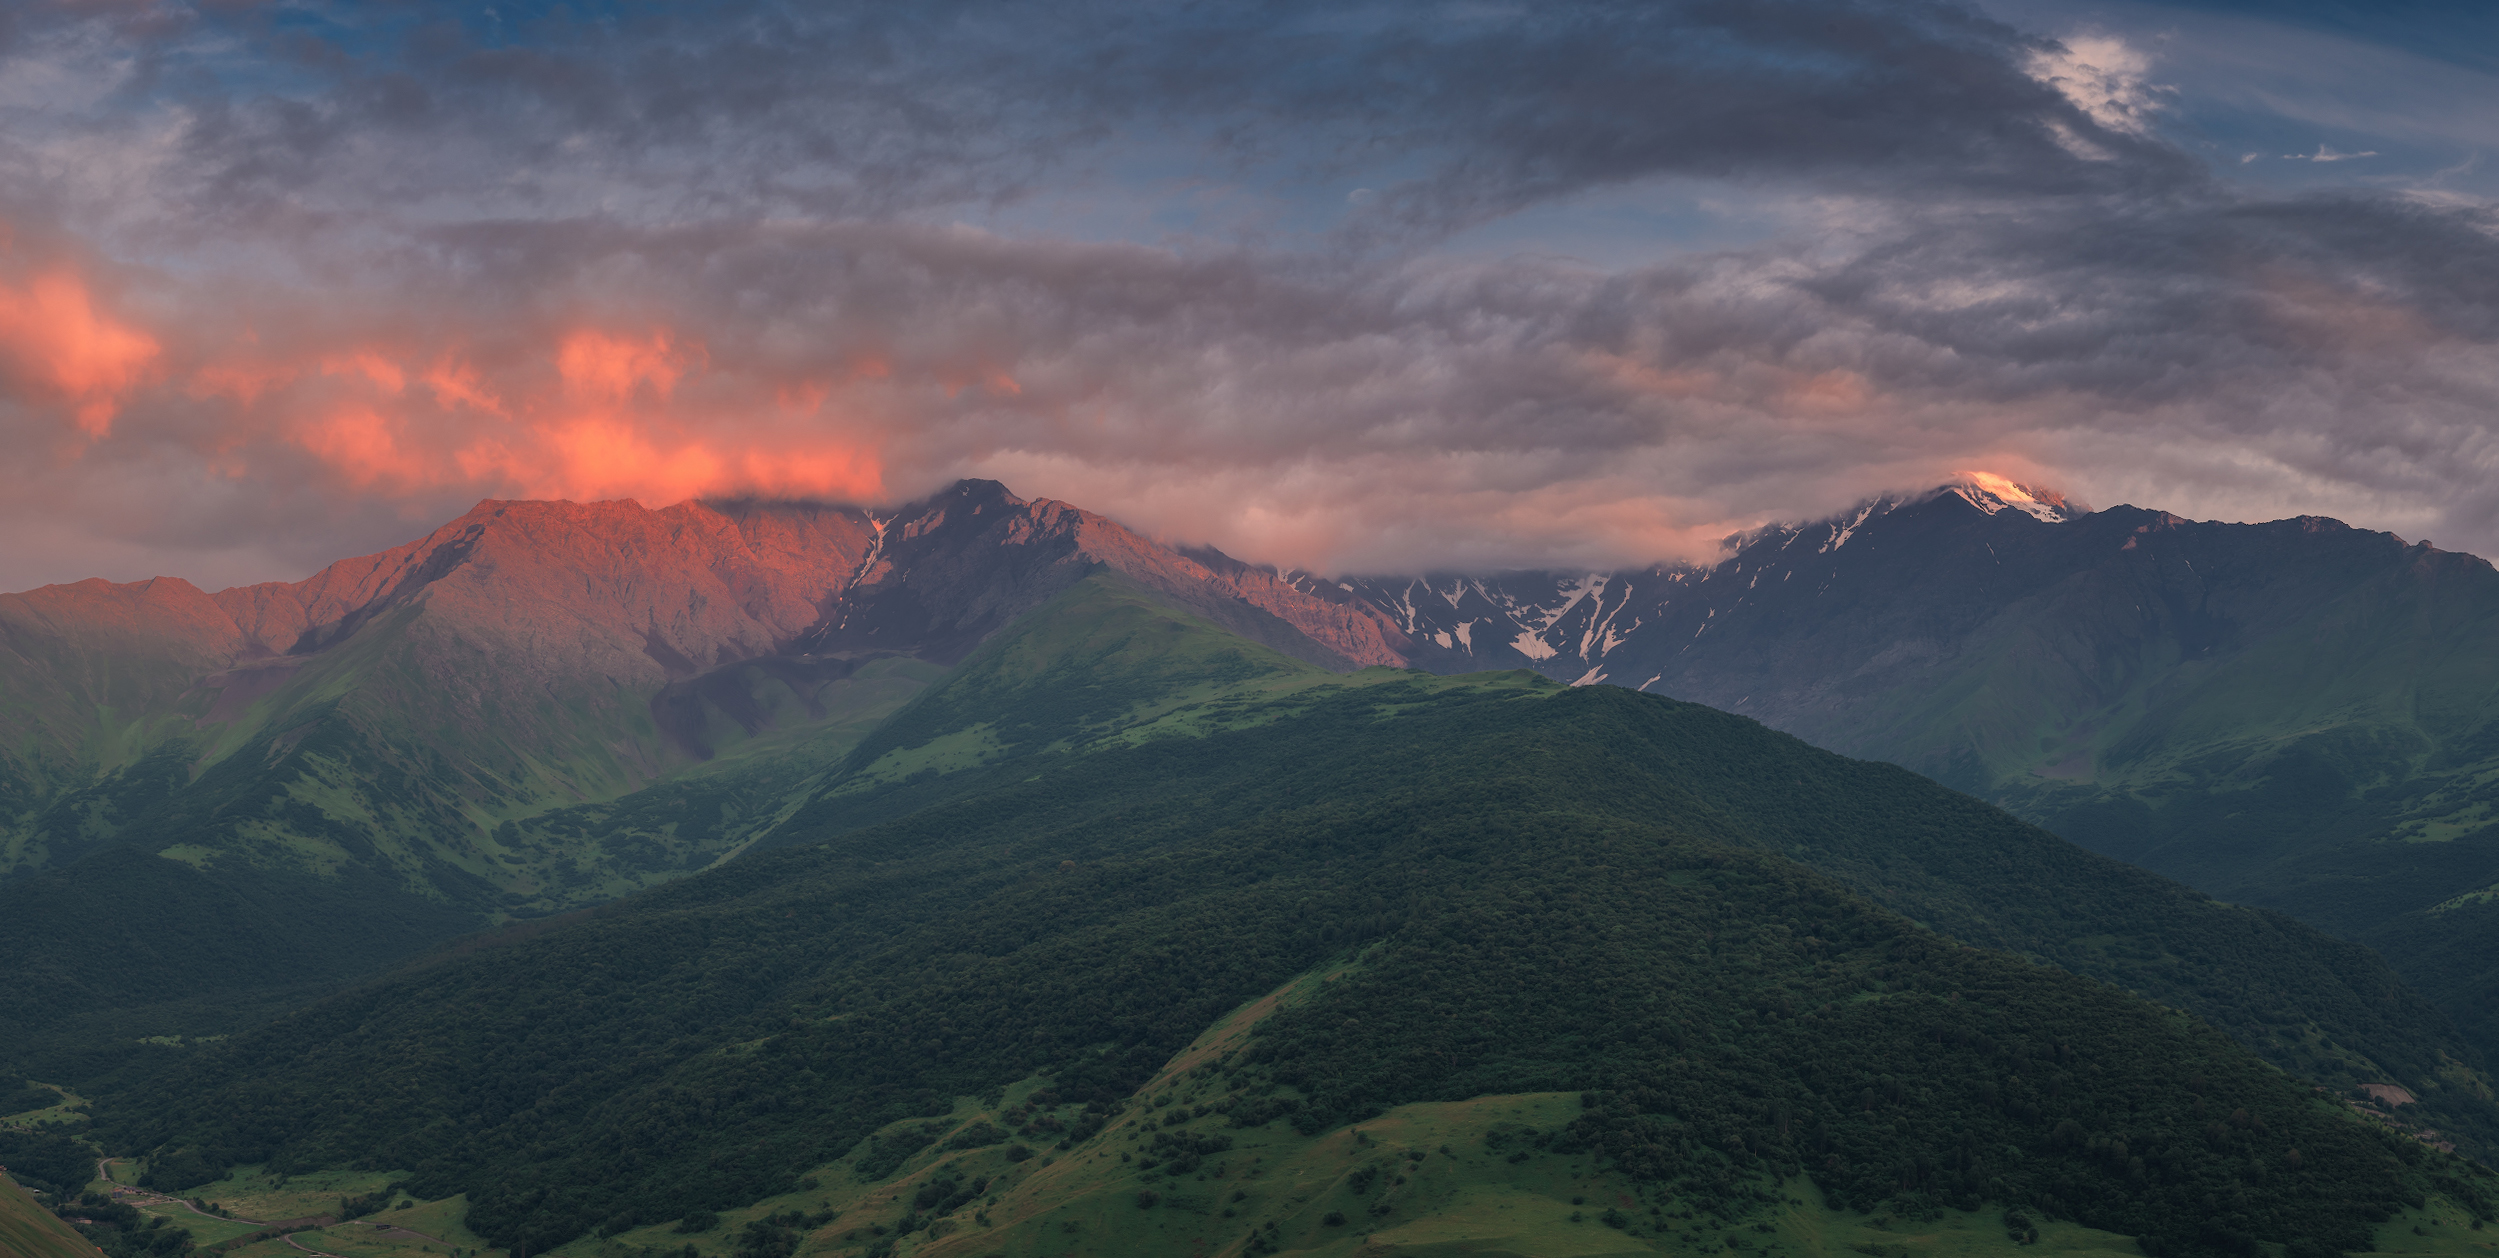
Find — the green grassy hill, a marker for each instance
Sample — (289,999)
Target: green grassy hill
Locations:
(335,842)
(1110,668)
(27,1230)
(1115,828)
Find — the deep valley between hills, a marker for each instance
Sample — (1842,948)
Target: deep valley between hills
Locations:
(756,880)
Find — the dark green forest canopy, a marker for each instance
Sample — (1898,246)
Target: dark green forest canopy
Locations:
(1558,889)
(2312,1004)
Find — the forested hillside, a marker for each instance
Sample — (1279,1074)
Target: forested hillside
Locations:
(1105,666)
(1550,889)
(2296,714)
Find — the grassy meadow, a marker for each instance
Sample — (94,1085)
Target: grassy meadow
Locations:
(27,1230)
(62,1107)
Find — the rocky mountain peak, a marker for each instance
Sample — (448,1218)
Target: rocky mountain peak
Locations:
(1992,493)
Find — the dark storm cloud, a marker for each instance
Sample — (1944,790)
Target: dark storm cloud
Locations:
(876,109)
(388,263)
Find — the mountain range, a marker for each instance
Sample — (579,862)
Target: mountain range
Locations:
(242,826)
(1129,918)
(2296,714)
(415,743)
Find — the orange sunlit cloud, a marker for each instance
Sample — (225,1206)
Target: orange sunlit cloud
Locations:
(58,342)
(598,365)
(823,472)
(646,416)
(458,382)
(598,457)
(590,458)
(362,445)
(378,370)
(244,382)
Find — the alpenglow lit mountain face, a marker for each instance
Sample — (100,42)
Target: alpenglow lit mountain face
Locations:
(530,654)
(539,705)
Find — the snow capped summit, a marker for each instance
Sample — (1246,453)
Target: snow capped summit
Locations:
(1992,493)
(1645,625)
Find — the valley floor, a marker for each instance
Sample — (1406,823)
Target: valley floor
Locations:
(1420,1180)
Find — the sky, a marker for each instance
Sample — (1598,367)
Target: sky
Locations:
(1359,288)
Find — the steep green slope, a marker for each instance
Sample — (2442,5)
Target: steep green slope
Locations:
(526,655)
(1554,890)
(1109,667)
(361,760)
(125,928)
(28,1230)
(209,803)
(92,678)
(537,707)
(2296,714)
(306,861)
(2333,756)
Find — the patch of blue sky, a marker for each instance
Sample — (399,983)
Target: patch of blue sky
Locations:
(2306,95)
(2463,32)
(1642,223)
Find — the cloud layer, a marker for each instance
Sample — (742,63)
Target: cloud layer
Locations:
(280,284)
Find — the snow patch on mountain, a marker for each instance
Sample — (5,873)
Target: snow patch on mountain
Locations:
(1571,594)
(1992,493)
(1840,533)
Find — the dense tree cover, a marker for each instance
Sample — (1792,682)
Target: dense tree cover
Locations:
(173,1170)
(2312,1004)
(2306,830)
(122,1232)
(46,1157)
(2451,954)
(125,944)
(1088,914)
(319,852)
(1743,1016)
(123,928)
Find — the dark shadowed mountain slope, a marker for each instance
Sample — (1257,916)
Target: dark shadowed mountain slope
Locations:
(2296,714)
(1439,888)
